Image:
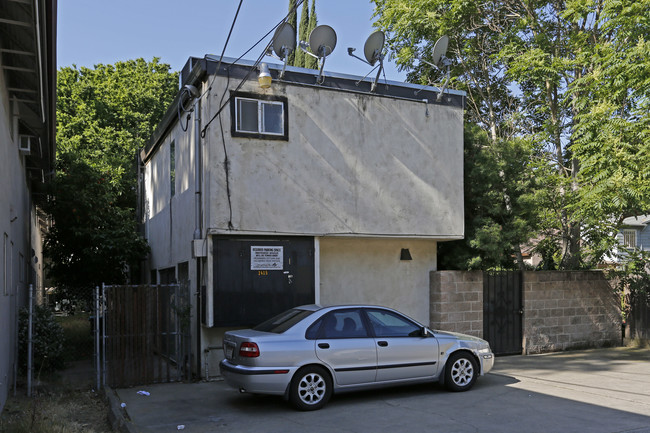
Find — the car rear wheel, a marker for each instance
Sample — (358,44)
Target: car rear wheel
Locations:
(461,372)
(311,388)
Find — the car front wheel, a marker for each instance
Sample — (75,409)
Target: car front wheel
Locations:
(311,388)
(461,372)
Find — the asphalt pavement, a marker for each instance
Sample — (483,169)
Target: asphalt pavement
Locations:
(601,390)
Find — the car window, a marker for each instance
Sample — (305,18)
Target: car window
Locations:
(338,324)
(388,324)
(283,321)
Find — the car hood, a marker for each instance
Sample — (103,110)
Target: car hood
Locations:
(457,336)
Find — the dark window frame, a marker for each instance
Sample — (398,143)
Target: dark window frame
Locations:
(260,98)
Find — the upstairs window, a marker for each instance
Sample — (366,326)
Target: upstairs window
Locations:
(259,116)
(629,238)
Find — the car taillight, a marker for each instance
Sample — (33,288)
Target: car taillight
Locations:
(249,350)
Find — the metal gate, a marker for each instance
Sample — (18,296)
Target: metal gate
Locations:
(638,318)
(142,334)
(502,311)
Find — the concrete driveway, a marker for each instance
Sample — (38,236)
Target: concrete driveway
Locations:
(604,390)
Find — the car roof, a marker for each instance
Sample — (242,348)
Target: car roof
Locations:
(318,307)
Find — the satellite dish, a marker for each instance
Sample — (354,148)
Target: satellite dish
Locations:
(322,41)
(440,61)
(372,50)
(439,50)
(284,42)
(373,46)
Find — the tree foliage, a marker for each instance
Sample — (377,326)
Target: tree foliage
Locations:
(303,34)
(570,76)
(105,116)
(93,240)
(499,203)
(311,62)
(293,20)
(308,22)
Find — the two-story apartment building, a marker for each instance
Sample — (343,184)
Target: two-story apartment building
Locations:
(301,192)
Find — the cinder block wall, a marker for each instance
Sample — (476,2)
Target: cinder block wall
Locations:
(456,302)
(564,310)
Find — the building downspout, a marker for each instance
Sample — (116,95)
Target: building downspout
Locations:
(197,225)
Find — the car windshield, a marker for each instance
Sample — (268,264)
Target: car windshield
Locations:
(283,321)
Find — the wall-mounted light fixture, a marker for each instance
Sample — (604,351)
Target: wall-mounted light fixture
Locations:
(264,78)
(405,254)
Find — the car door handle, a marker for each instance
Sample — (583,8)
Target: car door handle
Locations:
(382,343)
(323,345)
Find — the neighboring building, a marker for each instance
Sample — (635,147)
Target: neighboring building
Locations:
(633,235)
(307,192)
(27,134)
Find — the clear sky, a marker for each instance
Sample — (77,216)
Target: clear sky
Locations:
(106,31)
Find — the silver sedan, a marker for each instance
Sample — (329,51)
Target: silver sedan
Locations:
(308,353)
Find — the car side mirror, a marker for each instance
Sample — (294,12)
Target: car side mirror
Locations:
(426,332)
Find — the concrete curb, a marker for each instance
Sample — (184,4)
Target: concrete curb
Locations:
(118,417)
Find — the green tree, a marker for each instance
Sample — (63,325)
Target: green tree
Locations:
(499,204)
(536,70)
(303,34)
(105,116)
(612,126)
(311,62)
(293,20)
(93,239)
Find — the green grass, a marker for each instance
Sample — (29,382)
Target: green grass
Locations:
(79,342)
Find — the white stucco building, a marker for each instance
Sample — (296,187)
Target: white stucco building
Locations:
(27,134)
(301,193)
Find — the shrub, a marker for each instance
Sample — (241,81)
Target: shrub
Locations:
(47,334)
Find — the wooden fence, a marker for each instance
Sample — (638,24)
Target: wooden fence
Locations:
(144,335)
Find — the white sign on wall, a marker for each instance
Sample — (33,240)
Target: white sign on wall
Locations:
(267,258)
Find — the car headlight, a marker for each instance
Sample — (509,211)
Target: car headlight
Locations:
(484,348)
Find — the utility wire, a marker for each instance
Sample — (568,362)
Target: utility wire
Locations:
(232,26)
(252,68)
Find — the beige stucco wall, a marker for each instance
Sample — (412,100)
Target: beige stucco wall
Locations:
(370,271)
(354,164)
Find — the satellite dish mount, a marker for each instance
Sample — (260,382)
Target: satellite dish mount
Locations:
(284,43)
(440,61)
(372,51)
(322,41)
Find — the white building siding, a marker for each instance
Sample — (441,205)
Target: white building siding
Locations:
(370,271)
(353,164)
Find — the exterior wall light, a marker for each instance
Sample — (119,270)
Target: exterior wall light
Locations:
(264,78)
(405,254)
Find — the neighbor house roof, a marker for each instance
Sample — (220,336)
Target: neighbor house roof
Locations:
(637,221)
